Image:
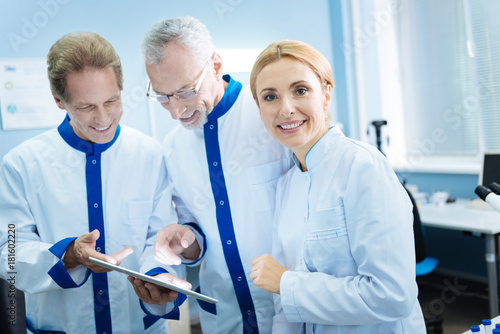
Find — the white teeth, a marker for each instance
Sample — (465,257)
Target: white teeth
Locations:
(102,129)
(291,126)
(184,115)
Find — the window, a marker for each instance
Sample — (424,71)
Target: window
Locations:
(439,80)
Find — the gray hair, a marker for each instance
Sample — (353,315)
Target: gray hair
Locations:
(185,31)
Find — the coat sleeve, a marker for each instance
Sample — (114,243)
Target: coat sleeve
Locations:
(23,253)
(186,218)
(164,213)
(280,323)
(381,288)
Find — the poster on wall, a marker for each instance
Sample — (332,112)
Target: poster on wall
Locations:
(25,98)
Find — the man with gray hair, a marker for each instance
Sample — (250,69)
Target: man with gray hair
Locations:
(223,168)
(91,187)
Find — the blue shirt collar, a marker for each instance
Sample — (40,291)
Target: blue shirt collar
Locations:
(230,95)
(81,145)
(320,149)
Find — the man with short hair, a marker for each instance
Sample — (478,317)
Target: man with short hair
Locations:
(223,168)
(88,188)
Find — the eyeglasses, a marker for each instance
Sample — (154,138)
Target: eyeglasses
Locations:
(186,95)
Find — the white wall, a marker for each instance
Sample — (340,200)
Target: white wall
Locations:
(29,28)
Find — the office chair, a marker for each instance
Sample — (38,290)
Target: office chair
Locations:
(424,264)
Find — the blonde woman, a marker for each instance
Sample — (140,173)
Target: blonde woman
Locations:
(343,252)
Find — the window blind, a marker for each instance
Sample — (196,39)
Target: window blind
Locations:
(450,70)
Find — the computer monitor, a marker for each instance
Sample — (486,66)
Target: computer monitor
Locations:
(491,169)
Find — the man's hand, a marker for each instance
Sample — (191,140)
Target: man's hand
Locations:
(175,239)
(155,294)
(78,253)
(266,273)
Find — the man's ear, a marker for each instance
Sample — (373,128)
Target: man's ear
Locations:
(59,102)
(217,65)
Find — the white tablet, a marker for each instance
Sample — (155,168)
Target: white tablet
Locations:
(152,280)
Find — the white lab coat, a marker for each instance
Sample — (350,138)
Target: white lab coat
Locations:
(251,162)
(43,193)
(344,230)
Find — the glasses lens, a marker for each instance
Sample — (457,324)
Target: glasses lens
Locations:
(162,98)
(187,95)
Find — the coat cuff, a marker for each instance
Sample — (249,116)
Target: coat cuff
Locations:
(152,311)
(287,296)
(58,272)
(202,241)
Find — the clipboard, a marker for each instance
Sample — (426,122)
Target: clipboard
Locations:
(152,280)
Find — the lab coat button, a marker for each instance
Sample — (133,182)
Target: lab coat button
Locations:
(96,205)
(228,242)
(100,292)
(215,163)
(211,127)
(98,249)
(94,161)
(221,202)
(239,278)
(249,312)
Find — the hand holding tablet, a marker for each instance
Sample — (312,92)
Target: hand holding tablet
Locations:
(152,280)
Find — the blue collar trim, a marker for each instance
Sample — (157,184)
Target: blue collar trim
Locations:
(320,149)
(81,145)
(230,95)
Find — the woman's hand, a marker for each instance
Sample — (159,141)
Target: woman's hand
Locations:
(266,273)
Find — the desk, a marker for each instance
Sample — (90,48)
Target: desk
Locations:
(457,216)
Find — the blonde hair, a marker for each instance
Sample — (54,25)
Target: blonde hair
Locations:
(76,52)
(298,51)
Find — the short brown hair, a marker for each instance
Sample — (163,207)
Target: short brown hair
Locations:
(76,52)
(297,50)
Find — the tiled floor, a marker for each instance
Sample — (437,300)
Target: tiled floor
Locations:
(461,303)
(196,329)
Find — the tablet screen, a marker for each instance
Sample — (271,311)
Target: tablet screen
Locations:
(152,280)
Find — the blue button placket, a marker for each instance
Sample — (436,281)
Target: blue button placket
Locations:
(93,179)
(102,310)
(223,209)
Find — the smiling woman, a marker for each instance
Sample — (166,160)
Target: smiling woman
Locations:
(293,105)
(343,205)
(291,82)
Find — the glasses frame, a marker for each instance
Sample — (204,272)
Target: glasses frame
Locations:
(181,95)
